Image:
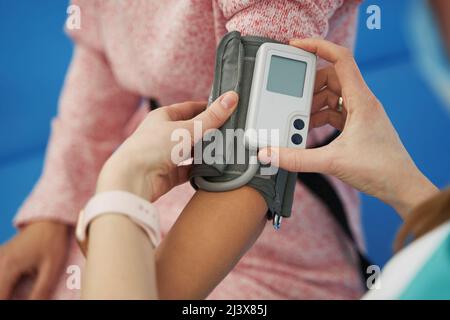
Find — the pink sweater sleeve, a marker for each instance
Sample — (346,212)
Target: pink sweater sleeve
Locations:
(93,110)
(279,19)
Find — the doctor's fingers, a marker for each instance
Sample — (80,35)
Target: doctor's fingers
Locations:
(183,111)
(327,77)
(328,116)
(347,71)
(216,114)
(324,98)
(298,160)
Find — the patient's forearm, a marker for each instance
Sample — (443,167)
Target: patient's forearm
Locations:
(207,240)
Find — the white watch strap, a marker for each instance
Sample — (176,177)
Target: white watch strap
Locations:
(137,209)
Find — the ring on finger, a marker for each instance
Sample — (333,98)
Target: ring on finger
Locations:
(340,105)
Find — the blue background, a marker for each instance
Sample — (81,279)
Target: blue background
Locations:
(35,54)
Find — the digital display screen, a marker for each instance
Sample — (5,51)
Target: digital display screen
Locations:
(286,76)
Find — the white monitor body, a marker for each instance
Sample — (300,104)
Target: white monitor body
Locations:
(281,96)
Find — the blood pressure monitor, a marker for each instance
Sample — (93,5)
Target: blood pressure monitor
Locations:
(275,83)
(280,97)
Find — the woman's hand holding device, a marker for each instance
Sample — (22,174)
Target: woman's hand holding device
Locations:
(143,164)
(144,167)
(368,154)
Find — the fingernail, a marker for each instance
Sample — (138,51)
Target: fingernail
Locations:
(229,100)
(264,157)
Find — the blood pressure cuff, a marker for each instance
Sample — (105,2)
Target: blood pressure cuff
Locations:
(235,60)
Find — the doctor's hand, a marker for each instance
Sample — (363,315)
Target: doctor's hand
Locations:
(368,154)
(147,163)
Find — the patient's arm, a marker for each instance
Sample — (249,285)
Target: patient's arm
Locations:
(208,239)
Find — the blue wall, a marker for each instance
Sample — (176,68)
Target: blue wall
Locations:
(35,54)
(33,58)
(423,123)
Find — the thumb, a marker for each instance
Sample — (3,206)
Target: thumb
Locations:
(218,112)
(296,160)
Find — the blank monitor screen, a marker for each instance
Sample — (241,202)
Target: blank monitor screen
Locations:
(286,76)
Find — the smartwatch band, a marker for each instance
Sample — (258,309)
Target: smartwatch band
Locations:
(140,211)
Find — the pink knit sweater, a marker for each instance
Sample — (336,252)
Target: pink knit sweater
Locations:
(129,49)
